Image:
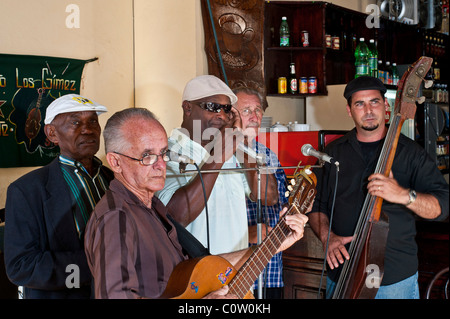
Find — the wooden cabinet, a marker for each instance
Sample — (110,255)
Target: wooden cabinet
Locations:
(433,251)
(309,61)
(302,268)
(396,42)
(243,48)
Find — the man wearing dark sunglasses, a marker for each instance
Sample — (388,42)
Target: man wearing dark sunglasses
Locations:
(210,134)
(215,107)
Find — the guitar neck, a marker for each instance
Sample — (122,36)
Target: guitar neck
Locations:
(261,256)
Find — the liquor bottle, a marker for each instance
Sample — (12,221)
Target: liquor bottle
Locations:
(438,93)
(373,59)
(427,44)
(293,80)
(380,71)
(388,73)
(395,76)
(284,33)
(445,96)
(437,71)
(362,59)
(444,27)
(352,37)
(343,35)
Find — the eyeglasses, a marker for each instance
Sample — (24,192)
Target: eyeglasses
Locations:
(149,159)
(248,112)
(215,107)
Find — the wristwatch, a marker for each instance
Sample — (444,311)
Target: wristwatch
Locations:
(412,197)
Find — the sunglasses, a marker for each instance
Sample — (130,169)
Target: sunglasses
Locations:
(214,107)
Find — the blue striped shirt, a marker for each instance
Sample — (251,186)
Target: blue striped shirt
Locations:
(270,216)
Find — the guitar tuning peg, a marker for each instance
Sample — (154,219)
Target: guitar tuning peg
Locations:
(286,194)
(290,188)
(421,99)
(292,182)
(428,84)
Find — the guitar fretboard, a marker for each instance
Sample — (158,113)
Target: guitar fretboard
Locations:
(252,268)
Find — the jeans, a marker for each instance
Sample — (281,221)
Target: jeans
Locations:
(405,289)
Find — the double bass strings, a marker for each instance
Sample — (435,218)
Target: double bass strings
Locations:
(362,227)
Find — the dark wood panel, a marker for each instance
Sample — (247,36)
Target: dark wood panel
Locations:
(433,244)
(302,268)
(303,262)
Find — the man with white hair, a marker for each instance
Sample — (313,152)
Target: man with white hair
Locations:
(47,209)
(250,105)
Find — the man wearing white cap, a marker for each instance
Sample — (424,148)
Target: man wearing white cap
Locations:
(47,209)
(205,136)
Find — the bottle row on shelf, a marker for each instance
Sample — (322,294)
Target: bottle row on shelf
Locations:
(331,41)
(294,85)
(434,44)
(367,60)
(285,35)
(438,93)
(442,152)
(367,63)
(366,57)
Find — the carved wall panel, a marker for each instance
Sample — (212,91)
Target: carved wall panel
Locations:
(239,29)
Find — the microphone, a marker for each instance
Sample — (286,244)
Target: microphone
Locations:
(175,157)
(308,150)
(260,158)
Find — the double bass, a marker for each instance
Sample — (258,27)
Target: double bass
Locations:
(359,278)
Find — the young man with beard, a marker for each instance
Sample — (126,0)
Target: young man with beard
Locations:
(415,187)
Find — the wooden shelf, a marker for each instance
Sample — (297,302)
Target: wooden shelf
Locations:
(295,48)
(293,96)
(396,42)
(309,61)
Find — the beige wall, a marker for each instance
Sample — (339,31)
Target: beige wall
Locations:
(38,27)
(147,50)
(169,52)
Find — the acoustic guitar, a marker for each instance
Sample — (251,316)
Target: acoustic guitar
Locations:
(195,278)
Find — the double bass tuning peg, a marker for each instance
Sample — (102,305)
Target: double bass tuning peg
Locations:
(421,99)
(428,83)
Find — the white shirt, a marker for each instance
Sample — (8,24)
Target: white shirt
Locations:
(227,212)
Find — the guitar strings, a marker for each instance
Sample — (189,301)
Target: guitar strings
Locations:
(274,239)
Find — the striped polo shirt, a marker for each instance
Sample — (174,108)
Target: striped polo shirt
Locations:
(85,190)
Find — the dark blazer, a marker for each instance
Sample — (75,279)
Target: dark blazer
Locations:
(40,236)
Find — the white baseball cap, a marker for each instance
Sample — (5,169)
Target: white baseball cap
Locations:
(207,85)
(72,103)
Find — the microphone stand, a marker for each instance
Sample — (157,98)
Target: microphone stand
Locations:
(259,225)
(259,222)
